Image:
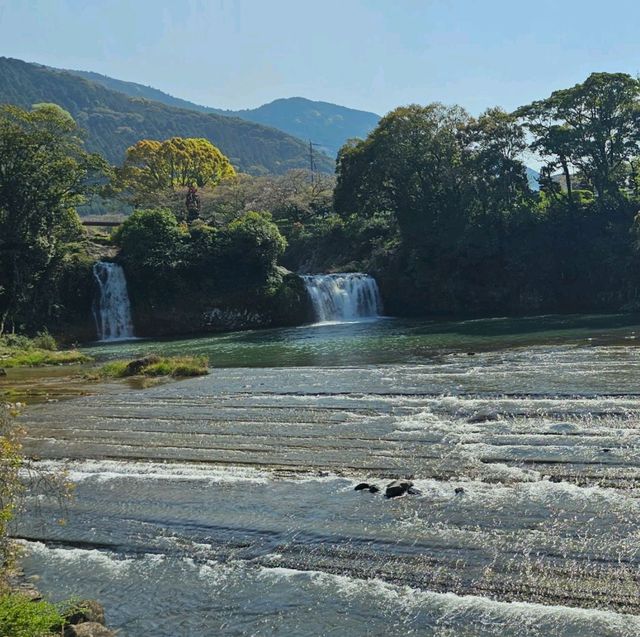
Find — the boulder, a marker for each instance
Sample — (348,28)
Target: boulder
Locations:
(397,488)
(459,490)
(137,365)
(87,610)
(88,629)
(362,486)
(373,489)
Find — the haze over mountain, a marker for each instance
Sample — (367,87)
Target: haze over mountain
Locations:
(115,121)
(328,125)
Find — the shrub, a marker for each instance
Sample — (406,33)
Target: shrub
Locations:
(22,617)
(151,239)
(44,340)
(252,245)
(10,485)
(176,366)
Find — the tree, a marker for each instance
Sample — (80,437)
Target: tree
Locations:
(44,173)
(151,240)
(593,126)
(410,168)
(154,169)
(252,245)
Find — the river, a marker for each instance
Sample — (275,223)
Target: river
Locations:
(225,505)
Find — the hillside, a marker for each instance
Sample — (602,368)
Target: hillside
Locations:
(328,125)
(114,121)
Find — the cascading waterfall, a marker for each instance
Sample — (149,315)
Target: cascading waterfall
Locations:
(112,310)
(343,297)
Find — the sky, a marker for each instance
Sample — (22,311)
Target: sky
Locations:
(368,54)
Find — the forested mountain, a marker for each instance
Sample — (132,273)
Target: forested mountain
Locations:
(329,125)
(326,124)
(133,89)
(114,121)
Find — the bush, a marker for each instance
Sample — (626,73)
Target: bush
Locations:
(44,340)
(22,617)
(153,366)
(10,486)
(22,351)
(151,239)
(252,245)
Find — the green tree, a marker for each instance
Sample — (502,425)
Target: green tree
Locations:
(593,127)
(44,173)
(410,168)
(151,240)
(251,246)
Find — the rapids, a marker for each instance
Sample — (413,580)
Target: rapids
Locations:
(225,504)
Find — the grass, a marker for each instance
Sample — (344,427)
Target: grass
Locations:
(22,351)
(156,366)
(22,617)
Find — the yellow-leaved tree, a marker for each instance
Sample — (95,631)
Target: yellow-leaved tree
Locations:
(152,169)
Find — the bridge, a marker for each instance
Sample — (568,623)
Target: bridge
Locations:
(102,224)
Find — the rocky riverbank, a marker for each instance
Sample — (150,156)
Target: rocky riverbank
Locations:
(84,618)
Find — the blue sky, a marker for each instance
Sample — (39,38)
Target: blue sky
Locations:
(368,54)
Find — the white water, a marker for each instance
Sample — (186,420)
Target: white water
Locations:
(112,310)
(343,297)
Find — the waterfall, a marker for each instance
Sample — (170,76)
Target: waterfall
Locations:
(343,297)
(112,310)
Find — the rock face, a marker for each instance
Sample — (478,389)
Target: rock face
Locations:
(397,488)
(195,311)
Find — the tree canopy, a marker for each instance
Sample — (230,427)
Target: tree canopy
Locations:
(154,168)
(593,127)
(44,173)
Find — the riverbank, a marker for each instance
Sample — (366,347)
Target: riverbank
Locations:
(22,351)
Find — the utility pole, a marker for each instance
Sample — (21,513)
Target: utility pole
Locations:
(312,162)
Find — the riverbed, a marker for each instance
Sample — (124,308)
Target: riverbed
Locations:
(225,505)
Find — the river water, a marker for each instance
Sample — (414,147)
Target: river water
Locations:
(225,505)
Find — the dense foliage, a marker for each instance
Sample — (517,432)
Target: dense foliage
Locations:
(174,269)
(437,204)
(434,202)
(20,616)
(44,173)
(154,170)
(114,122)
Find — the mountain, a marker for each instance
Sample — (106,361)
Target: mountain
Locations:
(533,178)
(115,121)
(132,89)
(326,124)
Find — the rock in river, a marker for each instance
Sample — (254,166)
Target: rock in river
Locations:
(88,629)
(398,487)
